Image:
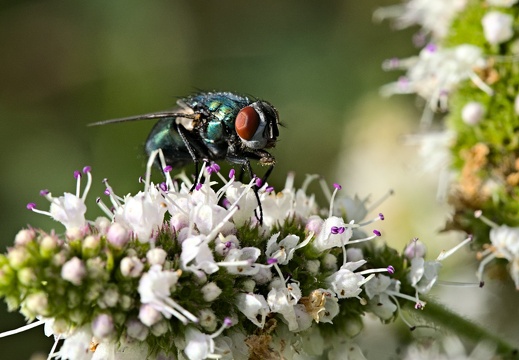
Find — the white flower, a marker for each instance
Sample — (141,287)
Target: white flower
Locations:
(436,72)
(69,210)
(352,208)
(202,346)
(142,213)
(345,350)
(246,204)
(76,346)
(254,307)
(129,350)
(198,345)
(155,288)
(345,283)
(472,113)
(497,27)
(326,239)
(282,300)
(282,251)
(379,301)
(505,245)
(245,261)
(450,348)
(423,274)
(434,16)
(197,257)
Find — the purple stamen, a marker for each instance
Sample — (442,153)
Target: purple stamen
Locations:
(391,269)
(341,229)
(107,192)
(31,206)
(334,230)
(272,261)
(210,169)
(226,203)
(87,169)
(227,322)
(431,47)
(228,244)
(259,182)
(198,186)
(77,174)
(381,216)
(376,232)
(167,168)
(216,167)
(337,186)
(231,173)
(269,189)
(44,192)
(418,306)
(163,186)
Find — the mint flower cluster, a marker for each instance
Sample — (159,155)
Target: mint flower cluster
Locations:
(181,271)
(468,72)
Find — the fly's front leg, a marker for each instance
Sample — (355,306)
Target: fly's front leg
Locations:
(245,164)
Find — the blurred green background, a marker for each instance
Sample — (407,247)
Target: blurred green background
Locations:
(66,64)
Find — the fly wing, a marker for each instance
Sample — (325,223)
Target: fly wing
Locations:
(182,116)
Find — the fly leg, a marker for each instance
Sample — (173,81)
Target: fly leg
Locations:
(245,165)
(193,149)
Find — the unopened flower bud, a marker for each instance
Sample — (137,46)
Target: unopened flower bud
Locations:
(156,256)
(313,266)
(74,271)
(148,315)
(131,267)
(24,237)
(207,320)
(17,257)
(472,113)
(37,304)
(210,291)
(47,246)
(160,328)
(117,235)
(416,249)
(102,224)
(90,246)
(136,329)
(26,276)
(74,233)
(102,326)
(497,27)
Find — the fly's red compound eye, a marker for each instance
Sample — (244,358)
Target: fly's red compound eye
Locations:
(247,122)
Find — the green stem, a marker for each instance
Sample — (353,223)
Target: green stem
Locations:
(456,324)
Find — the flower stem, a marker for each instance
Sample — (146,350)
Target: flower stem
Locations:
(471,331)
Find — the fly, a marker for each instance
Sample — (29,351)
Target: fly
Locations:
(213,126)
